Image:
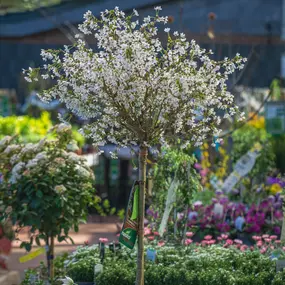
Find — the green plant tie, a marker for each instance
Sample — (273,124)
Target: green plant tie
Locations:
(135,205)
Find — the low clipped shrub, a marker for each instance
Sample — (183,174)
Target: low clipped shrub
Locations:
(174,265)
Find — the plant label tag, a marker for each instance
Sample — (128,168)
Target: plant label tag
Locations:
(280,265)
(98,268)
(151,254)
(32,255)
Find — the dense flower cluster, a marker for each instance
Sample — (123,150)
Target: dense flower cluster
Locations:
(224,216)
(137,89)
(19,161)
(265,244)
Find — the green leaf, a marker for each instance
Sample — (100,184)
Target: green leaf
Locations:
(39,194)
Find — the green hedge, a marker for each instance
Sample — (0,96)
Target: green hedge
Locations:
(213,265)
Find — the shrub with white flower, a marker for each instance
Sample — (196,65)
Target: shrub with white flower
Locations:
(135,88)
(45,187)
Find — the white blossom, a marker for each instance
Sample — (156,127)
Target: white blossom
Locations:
(132,88)
(16,172)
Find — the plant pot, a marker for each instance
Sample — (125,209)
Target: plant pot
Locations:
(85,283)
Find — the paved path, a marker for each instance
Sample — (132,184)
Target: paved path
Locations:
(90,232)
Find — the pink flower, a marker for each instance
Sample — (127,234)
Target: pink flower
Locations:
(259,243)
(161,243)
(278,241)
(150,238)
(272,247)
(256,238)
(147,231)
(243,247)
(238,241)
(188,241)
(86,242)
(208,237)
(229,242)
(224,236)
(103,240)
(219,238)
(252,248)
(265,236)
(212,241)
(263,250)
(156,233)
(197,166)
(267,240)
(189,234)
(203,172)
(273,237)
(283,248)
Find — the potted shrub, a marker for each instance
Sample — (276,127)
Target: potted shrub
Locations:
(46,187)
(136,90)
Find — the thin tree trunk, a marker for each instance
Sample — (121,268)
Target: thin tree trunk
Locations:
(47,256)
(142,179)
(50,256)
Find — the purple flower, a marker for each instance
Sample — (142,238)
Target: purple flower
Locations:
(223,227)
(253,229)
(277,230)
(278,215)
(224,200)
(275,180)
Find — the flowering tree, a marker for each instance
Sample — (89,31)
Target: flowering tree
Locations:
(135,89)
(46,187)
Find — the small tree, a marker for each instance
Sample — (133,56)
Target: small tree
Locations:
(136,90)
(45,187)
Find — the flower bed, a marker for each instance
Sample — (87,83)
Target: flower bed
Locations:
(222,262)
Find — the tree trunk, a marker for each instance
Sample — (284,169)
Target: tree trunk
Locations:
(50,257)
(142,179)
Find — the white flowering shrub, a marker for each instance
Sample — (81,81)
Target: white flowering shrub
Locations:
(137,89)
(46,187)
